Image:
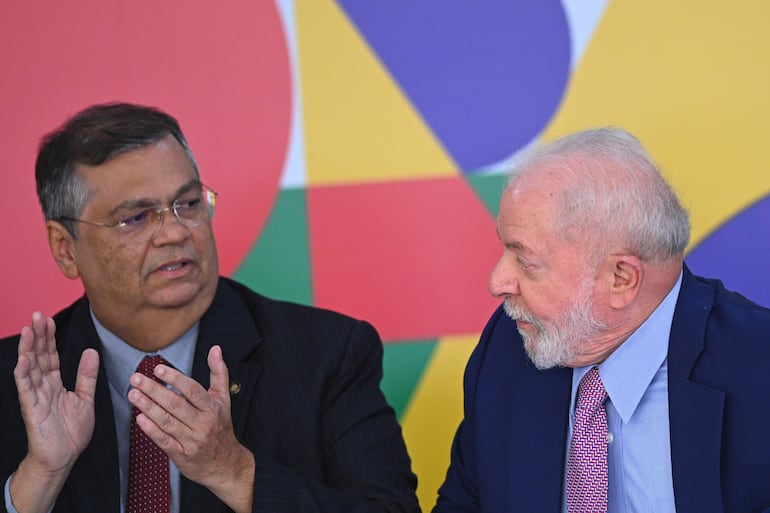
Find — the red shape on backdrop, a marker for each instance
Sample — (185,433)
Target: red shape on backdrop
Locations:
(433,238)
(223,72)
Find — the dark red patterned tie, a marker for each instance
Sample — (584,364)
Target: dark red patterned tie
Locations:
(587,461)
(149,487)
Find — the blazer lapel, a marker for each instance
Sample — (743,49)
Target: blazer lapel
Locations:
(695,411)
(231,325)
(538,440)
(93,483)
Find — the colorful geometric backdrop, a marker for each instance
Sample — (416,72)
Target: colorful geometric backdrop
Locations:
(358,145)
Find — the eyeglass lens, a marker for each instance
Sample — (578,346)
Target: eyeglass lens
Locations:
(189,210)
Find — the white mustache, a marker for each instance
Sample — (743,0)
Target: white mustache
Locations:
(518,313)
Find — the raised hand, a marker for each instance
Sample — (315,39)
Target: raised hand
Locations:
(195,429)
(59,423)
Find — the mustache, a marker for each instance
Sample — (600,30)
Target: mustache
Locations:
(518,313)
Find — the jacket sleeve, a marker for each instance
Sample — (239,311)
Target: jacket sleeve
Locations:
(460,491)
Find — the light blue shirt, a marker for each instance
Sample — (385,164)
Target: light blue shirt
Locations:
(120,361)
(636,379)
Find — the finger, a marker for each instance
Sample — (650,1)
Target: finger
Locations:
(30,394)
(163,406)
(88,370)
(43,329)
(162,426)
(190,389)
(162,438)
(33,343)
(36,342)
(26,339)
(39,323)
(26,349)
(48,341)
(50,336)
(220,375)
(41,349)
(30,373)
(22,378)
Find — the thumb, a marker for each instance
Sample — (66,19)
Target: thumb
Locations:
(88,369)
(220,377)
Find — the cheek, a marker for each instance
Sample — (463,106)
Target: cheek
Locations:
(119,263)
(545,304)
(207,248)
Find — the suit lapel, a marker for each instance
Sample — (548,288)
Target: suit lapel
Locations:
(231,325)
(538,440)
(695,411)
(93,483)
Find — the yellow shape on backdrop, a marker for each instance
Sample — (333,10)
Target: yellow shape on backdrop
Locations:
(434,412)
(690,79)
(359,126)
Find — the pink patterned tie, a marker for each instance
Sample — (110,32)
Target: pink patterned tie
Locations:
(149,487)
(587,461)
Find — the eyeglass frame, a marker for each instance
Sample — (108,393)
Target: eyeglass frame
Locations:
(160,214)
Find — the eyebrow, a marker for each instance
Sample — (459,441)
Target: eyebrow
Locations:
(143,203)
(525,250)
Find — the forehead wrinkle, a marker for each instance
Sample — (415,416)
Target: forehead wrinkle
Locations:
(527,213)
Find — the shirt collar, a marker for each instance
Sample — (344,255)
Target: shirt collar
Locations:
(121,360)
(629,370)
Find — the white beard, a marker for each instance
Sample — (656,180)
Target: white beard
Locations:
(557,343)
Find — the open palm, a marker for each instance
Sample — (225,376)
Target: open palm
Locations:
(59,422)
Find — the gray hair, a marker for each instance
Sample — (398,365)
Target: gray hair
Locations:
(614,194)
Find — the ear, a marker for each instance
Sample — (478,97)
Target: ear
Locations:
(62,248)
(627,275)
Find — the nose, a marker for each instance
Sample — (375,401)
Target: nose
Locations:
(168,226)
(503,281)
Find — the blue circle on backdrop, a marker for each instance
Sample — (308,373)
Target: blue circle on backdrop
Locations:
(485,76)
(737,252)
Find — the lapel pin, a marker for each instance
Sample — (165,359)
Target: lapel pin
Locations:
(235,388)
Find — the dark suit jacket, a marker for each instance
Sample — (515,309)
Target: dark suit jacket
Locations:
(508,453)
(309,408)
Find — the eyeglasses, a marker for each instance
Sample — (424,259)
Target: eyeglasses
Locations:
(192,209)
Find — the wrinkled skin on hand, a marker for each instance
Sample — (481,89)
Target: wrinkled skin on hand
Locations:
(194,427)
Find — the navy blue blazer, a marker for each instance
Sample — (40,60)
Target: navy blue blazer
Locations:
(508,453)
(309,407)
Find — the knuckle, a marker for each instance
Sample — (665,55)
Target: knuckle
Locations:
(195,394)
(175,402)
(162,439)
(165,422)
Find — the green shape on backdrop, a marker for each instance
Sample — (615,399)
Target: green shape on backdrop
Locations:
(488,187)
(403,365)
(278,265)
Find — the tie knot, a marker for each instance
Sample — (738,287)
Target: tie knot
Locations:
(591,392)
(147,365)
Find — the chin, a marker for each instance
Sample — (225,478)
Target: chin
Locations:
(184,294)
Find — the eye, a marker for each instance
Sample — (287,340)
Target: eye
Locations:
(136,220)
(525,266)
(187,205)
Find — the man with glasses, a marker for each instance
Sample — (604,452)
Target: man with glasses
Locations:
(167,387)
